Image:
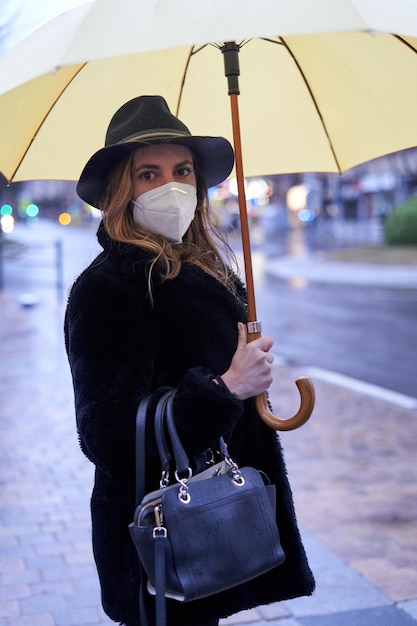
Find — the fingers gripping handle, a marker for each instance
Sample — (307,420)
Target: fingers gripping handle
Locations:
(305,388)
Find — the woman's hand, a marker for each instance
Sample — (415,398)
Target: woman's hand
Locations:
(250,372)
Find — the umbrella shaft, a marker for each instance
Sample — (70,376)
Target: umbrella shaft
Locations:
(244,225)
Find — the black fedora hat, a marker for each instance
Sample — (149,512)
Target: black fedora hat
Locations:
(148,120)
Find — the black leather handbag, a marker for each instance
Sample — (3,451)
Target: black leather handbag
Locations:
(209,531)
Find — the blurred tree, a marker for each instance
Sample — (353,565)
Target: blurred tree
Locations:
(401,225)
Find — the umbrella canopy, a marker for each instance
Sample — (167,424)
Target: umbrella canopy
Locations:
(309,102)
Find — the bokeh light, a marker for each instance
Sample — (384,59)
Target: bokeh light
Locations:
(6,209)
(297,198)
(7,223)
(32,210)
(73,210)
(64,219)
(306,215)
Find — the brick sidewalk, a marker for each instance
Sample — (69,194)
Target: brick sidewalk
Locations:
(47,572)
(352,468)
(353,471)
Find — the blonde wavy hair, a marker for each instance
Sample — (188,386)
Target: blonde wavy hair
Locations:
(203,245)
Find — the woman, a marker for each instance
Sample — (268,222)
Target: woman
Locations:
(160,308)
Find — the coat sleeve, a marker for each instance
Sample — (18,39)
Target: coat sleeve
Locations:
(109,339)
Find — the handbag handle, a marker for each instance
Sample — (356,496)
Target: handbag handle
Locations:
(164,414)
(140,455)
(161,443)
(182,463)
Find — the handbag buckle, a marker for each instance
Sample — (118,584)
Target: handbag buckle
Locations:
(159,530)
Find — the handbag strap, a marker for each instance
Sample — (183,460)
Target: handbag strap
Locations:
(141,416)
(160,542)
(140,486)
(140,448)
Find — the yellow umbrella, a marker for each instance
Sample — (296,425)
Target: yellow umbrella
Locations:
(311,102)
(323,95)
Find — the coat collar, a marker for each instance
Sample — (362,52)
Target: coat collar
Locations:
(132,259)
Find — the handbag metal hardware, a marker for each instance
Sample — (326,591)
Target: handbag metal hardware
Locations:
(235,471)
(183,493)
(159,515)
(159,530)
(164,482)
(180,480)
(148,509)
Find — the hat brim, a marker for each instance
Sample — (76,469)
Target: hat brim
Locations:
(215,159)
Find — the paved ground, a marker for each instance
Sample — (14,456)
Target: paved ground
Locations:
(352,468)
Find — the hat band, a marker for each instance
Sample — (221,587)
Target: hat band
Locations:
(166,133)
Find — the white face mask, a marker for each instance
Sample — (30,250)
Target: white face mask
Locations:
(167,210)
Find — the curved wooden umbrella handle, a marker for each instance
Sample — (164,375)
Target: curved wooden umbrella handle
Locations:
(305,388)
(307,396)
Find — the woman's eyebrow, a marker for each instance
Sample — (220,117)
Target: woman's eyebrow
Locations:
(153,166)
(146,166)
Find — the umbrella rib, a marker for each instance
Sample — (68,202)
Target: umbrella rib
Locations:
(405,43)
(44,120)
(193,50)
(190,54)
(287,47)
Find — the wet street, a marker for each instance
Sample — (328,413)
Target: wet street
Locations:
(364,332)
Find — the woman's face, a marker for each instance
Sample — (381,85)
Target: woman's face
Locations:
(157,165)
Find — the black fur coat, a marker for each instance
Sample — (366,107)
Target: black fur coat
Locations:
(121,346)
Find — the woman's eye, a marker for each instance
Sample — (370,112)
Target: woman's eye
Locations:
(184,171)
(146,176)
